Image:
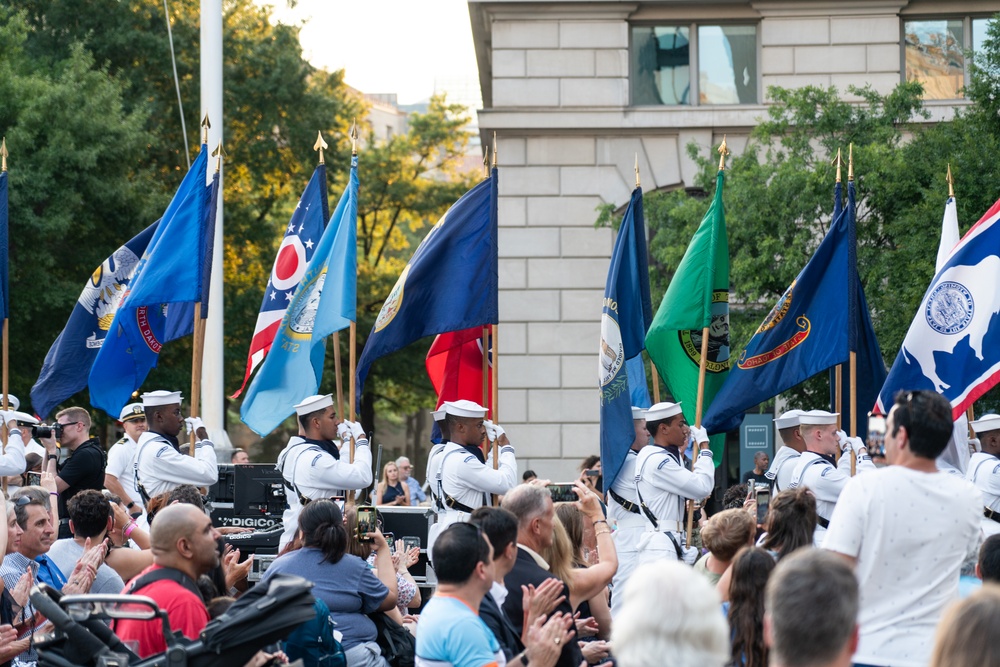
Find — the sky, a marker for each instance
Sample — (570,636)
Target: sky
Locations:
(408,47)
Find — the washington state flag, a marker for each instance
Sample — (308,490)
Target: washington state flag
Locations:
(697,297)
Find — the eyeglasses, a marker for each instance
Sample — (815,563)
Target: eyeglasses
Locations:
(65,424)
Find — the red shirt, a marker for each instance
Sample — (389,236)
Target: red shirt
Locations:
(185,611)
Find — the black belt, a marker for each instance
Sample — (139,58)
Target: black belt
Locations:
(823,523)
(992,515)
(626,504)
(455,505)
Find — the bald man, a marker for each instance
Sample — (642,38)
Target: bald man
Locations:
(184,547)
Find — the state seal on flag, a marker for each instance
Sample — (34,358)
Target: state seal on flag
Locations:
(302,318)
(393,301)
(612,354)
(949,308)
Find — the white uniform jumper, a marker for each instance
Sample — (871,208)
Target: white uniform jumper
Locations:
(780,472)
(826,482)
(984,472)
(160,467)
(662,485)
(312,473)
(630,524)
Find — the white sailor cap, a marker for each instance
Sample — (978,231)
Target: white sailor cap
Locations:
(438,415)
(638,413)
(464,408)
(12,402)
(818,417)
(662,411)
(154,399)
(314,404)
(788,419)
(131,412)
(990,422)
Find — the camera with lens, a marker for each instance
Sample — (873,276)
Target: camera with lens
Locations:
(43,431)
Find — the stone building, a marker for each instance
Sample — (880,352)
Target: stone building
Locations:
(575,89)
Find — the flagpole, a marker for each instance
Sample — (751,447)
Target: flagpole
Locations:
(853,354)
(4,435)
(702,369)
(352,355)
(494,388)
(838,380)
(198,346)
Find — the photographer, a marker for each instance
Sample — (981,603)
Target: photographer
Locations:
(84,469)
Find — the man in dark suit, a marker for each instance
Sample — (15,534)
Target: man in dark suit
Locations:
(535,512)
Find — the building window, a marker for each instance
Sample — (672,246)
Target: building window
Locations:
(935,53)
(694,64)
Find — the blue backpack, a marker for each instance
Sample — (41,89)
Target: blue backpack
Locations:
(313,641)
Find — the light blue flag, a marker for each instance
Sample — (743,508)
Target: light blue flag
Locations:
(168,277)
(324,302)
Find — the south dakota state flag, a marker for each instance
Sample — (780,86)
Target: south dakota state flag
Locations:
(167,277)
(625,317)
(449,284)
(324,302)
(805,333)
(953,345)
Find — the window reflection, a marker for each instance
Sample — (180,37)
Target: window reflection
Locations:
(727,64)
(661,65)
(935,57)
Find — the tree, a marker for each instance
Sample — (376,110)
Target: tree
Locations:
(779,201)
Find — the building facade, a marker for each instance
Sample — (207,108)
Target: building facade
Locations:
(576,90)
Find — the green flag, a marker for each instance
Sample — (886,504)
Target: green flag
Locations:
(698,297)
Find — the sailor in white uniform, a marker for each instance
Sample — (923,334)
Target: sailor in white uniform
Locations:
(119,473)
(624,512)
(780,472)
(312,465)
(818,469)
(434,460)
(159,464)
(984,470)
(465,477)
(663,484)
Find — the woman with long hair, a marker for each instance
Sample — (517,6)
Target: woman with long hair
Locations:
(790,523)
(391,490)
(343,581)
(750,571)
(571,521)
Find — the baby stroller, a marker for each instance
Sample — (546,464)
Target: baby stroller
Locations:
(264,615)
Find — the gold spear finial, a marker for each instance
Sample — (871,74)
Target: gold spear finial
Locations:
(205,124)
(723,152)
(319,146)
(839,161)
(3,154)
(951,181)
(486,163)
(494,150)
(218,154)
(637,184)
(850,162)
(354,138)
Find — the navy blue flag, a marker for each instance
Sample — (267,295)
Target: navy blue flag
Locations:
(4,250)
(869,364)
(449,284)
(168,275)
(625,318)
(69,360)
(953,344)
(805,333)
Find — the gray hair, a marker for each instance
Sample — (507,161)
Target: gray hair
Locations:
(668,610)
(401,460)
(802,632)
(527,502)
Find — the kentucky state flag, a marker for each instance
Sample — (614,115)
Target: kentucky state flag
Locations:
(625,318)
(324,302)
(294,254)
(449,284)
(168,277)
(697,297)
(953,345)
(805,333)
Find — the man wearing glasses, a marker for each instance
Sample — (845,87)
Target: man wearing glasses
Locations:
(417,494)
(84,469)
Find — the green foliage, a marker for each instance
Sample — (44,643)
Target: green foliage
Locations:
(779,201)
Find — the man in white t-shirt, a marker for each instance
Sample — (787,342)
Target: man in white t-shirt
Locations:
(907,528)
(119,474)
